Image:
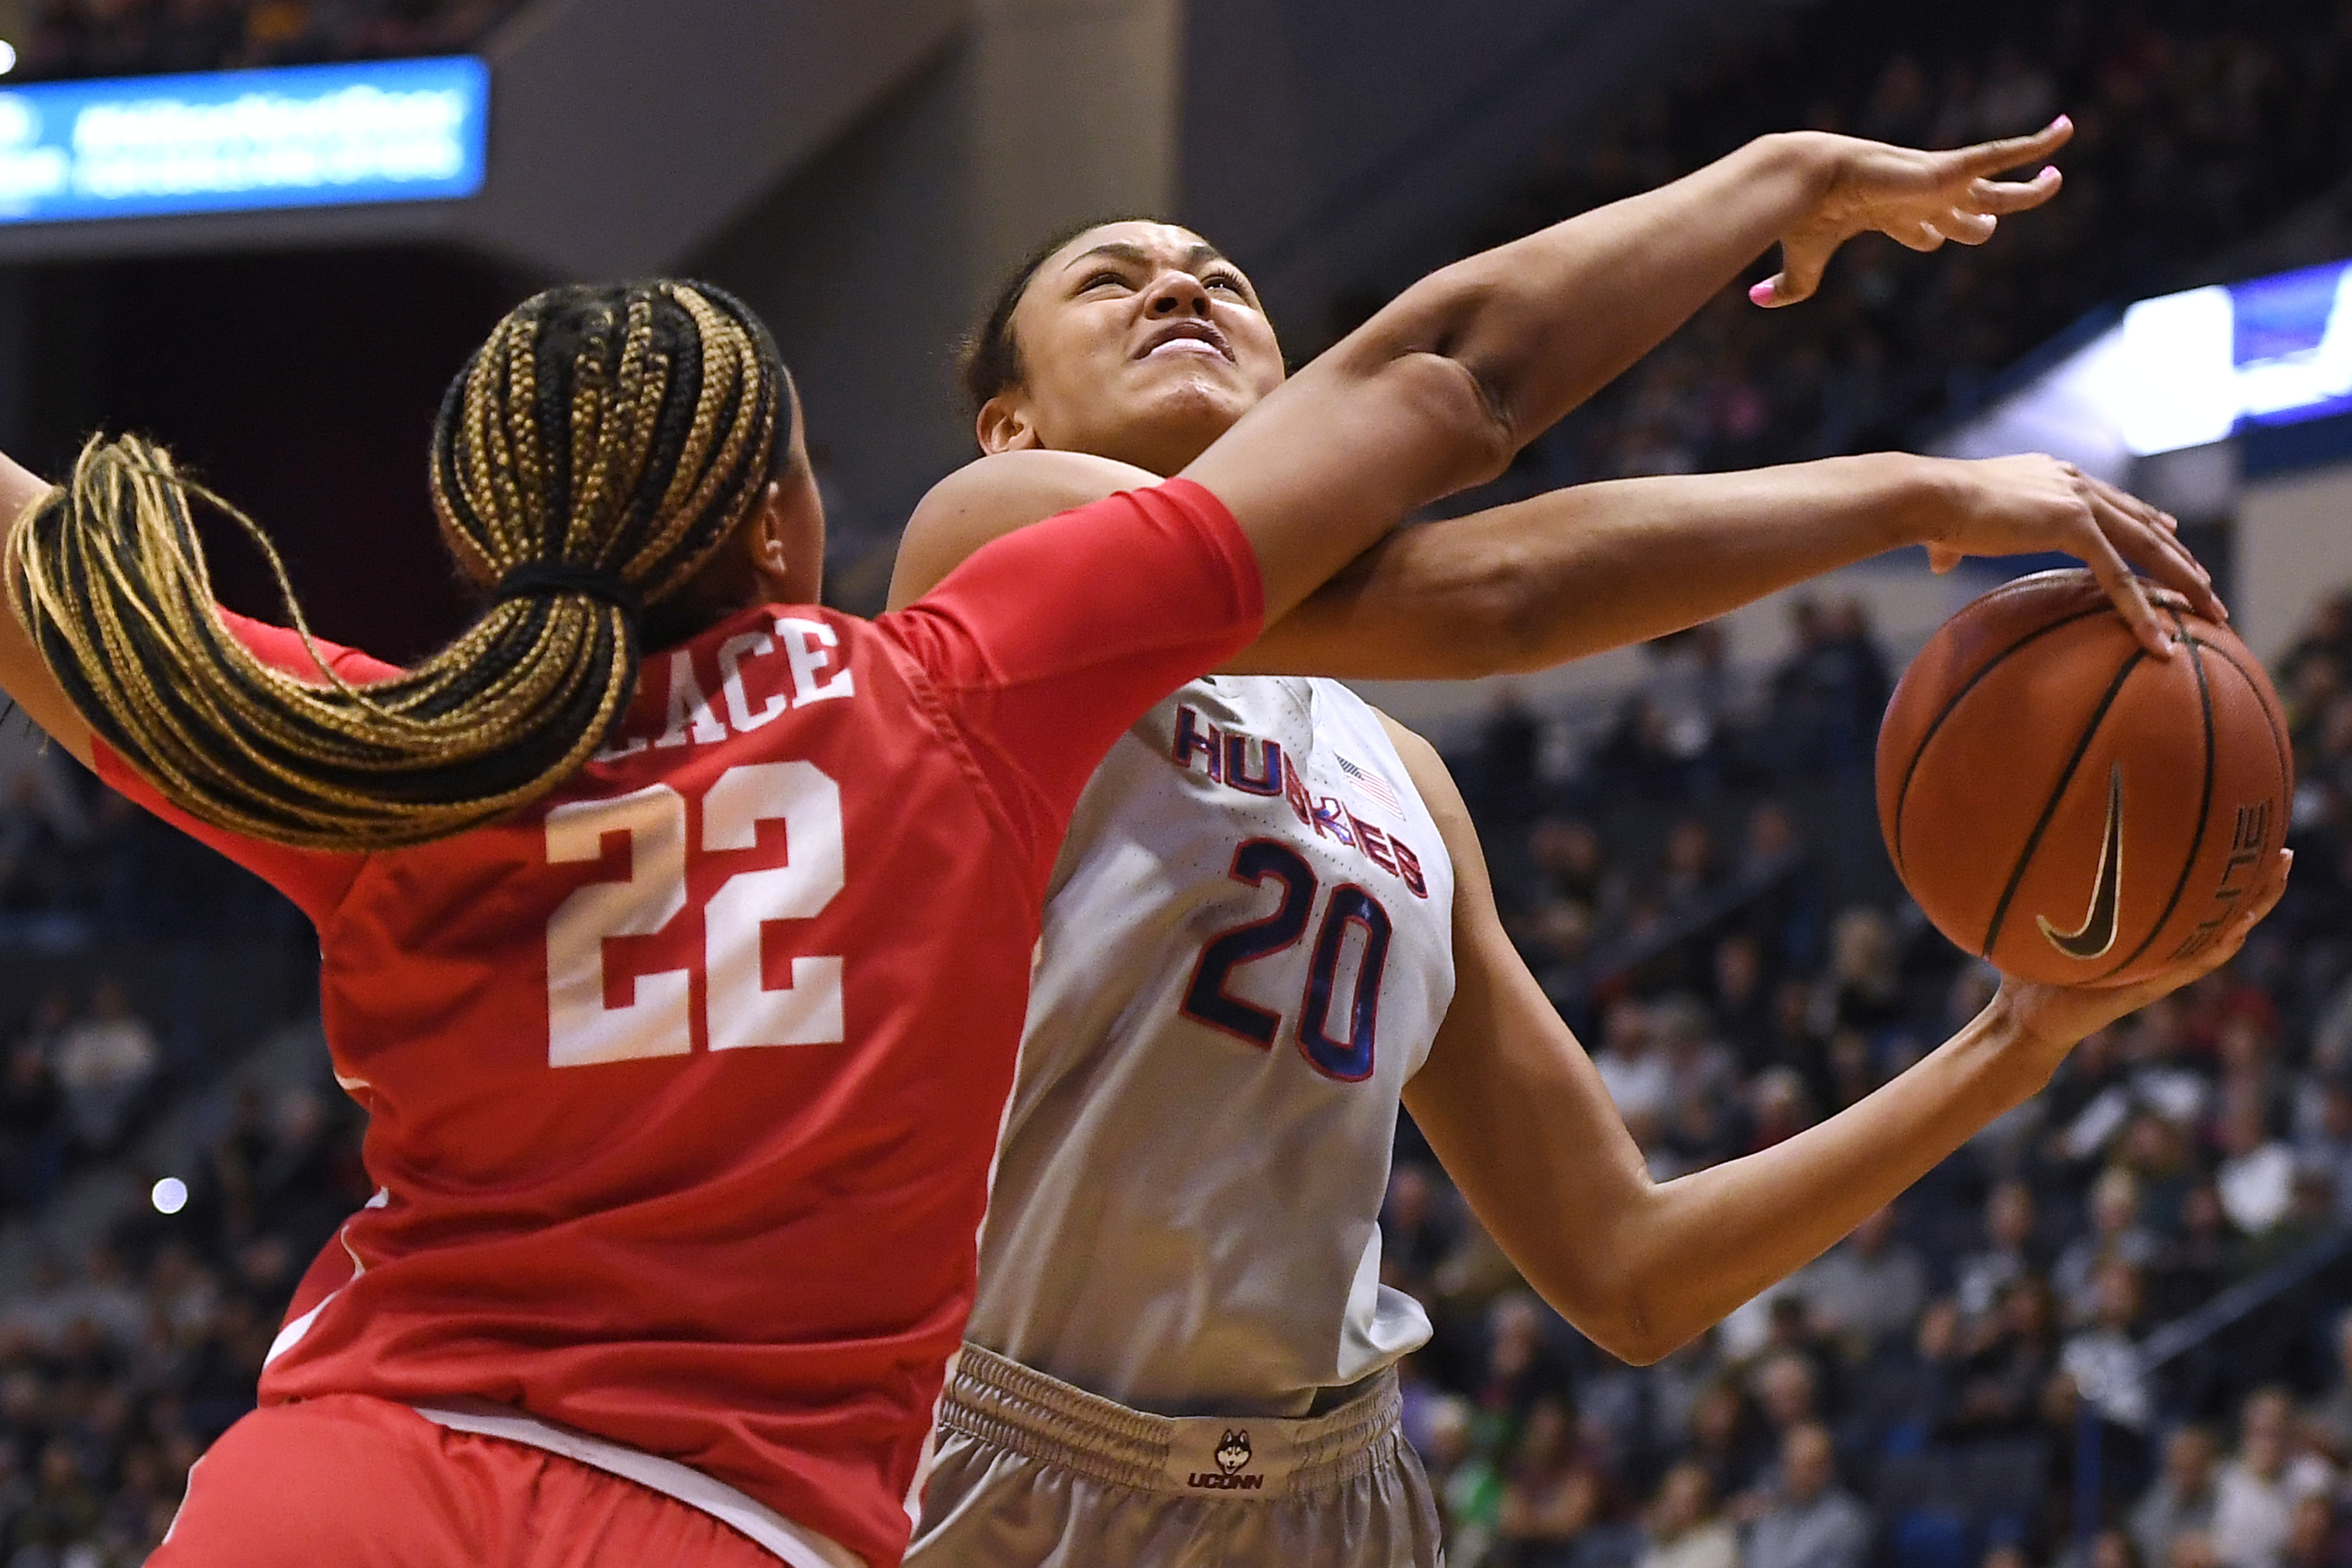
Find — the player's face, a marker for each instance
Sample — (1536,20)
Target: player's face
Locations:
(1137,341)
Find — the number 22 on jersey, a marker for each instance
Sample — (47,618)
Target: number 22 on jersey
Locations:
(1346,1056)
(741,1008)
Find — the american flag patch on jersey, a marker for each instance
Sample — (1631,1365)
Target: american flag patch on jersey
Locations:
(1372,784)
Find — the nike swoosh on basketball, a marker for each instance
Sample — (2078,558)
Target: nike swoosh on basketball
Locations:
(2097,931)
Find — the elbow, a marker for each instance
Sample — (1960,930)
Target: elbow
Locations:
(1622,1313)
(1624,1326)
(1481,437)
(1640,1337)
(1433,335)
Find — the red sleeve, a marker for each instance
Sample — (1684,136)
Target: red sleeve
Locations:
(1050,641)
(315,879)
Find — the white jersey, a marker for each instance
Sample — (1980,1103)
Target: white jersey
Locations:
(1248,950)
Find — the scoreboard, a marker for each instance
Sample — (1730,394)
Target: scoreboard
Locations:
(303,136)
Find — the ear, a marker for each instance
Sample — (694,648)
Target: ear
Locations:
(770,560)
(1003,427)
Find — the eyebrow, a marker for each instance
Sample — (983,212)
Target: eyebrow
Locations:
(1195,259)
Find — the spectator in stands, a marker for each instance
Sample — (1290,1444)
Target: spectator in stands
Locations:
(1790,1385)
(2324,1138)
(1724,1441)
(63,1511)
(2007,1359)
(1812,1522)
(105,1299)
(31,1131)
(1571,863)
(105,1063)
(1741,1002)
(1682,1527)
(2258,1487)
(2115,1234)
(1551,1495)
(1633,1069)
(1690,873)
(2312,1540)
(1869,1288)
(2006,1257)
(2102,1367)
(2256,1179)
(2183,1498)
(2332,1416)
(1688,684)
(1778,1106)
(1469,1489)
(1828,694)
(1521,1368)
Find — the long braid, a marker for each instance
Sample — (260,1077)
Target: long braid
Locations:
(620,431)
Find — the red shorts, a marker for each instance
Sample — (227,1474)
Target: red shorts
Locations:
(355,1482)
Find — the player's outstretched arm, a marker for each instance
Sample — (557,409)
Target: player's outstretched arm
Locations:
(1597,566)
(24,674)
(1517,1113)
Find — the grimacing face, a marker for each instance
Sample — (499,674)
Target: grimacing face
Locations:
(1137,341)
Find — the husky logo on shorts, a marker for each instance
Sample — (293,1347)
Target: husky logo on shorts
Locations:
(1233,1457)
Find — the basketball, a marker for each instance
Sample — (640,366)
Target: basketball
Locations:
(2067,805)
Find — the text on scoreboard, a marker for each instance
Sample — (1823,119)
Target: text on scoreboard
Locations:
(386,130)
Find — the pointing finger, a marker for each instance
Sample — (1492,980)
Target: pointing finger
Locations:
(1991,157)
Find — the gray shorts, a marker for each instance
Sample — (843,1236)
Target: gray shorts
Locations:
(1030,1471)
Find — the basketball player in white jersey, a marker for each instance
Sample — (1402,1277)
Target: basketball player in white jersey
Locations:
(1270,921)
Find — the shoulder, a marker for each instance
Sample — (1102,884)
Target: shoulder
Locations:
(985,499)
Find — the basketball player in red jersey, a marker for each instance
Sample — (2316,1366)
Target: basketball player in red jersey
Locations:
(1123,1409)
(685,1006)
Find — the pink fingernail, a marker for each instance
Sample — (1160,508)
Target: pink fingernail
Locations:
(2062,122)
(1762,292)
(2047,169)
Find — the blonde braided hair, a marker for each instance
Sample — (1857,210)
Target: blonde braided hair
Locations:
(598,446)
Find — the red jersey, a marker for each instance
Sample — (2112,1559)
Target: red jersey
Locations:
(684,1083)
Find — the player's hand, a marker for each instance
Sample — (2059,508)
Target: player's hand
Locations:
(2027,505)
(1918,199)
(2052,1019)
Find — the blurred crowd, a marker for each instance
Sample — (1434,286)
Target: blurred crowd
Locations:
(142,38)
(117,1367)
(119,1361)
(2198,125)
(1956,1384)
(81,867)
